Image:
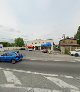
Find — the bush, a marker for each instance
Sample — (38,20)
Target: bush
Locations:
(66,51)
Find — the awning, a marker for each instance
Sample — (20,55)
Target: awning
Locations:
(30,46)
(48,44)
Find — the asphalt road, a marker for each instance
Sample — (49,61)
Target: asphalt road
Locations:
(40,75)
(45,67)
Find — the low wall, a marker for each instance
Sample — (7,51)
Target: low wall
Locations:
(68,48)
(12,48)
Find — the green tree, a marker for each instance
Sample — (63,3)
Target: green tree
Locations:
(5,44)
(77,35)
(12,44)
(19,42)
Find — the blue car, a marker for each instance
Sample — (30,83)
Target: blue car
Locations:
(12,57)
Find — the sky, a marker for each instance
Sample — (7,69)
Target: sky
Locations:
(39,19)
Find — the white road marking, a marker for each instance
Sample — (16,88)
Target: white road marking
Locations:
(44,90)
(62,84)
(77,60)
(11,77)
(23,71)
(64,60)
(58,60)
(29,89)
(37,73)
(66,76)
(72,61)
(73,90)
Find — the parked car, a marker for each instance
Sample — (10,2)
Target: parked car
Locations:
(11,57)
(30,49)
(22,49)
(72,53)
(75,53)
(45,50)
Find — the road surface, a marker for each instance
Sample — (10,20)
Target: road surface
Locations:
(40,76)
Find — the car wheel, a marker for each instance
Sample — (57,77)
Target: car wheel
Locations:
(76,55)
(71,54)
(20,59)
(13,61)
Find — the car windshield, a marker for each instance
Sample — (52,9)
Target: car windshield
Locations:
(39,45)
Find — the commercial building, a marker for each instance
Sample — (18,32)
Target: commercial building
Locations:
(39,44)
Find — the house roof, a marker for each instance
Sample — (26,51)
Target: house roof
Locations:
(68,39)
(70,45)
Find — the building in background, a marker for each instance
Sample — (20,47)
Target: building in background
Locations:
(39,44)
(68,44)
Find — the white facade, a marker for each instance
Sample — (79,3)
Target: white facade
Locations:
(37,43)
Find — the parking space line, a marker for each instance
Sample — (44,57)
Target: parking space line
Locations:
(10,77)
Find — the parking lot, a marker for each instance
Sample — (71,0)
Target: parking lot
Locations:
(38,55)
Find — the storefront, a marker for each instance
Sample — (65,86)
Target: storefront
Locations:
(30,47)
(37,46)
(46,46)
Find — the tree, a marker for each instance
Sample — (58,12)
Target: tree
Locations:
(5,44)
(77,36)
(19,42)
(12,44)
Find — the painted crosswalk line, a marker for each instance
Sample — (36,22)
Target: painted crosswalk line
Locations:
(14,82)
(62,84)
(37,73)
(28,89)
(10,77)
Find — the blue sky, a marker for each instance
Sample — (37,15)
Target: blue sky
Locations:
(41,19)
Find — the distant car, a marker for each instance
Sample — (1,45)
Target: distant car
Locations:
(11,57)
(75,53)
(72,53)
(22,49)
(45,51)
(30,49)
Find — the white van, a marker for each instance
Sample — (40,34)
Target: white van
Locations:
(1,47)
(75,53)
